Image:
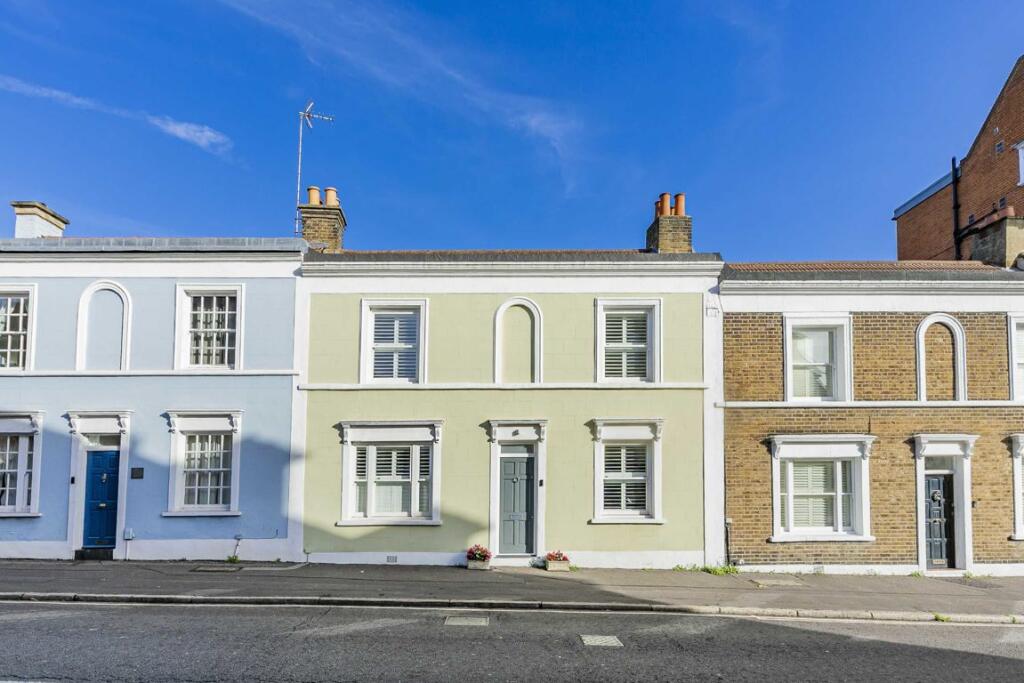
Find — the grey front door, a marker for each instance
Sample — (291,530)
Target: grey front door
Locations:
(517,496)
(939,521)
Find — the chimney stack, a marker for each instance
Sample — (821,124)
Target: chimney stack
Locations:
(672,230)
(35,219)
(323,223)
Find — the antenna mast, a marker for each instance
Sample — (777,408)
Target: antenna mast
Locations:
(306,117)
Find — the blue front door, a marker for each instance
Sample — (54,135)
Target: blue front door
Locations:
(101,499)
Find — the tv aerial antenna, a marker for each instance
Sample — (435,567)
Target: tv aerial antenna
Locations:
(306,118)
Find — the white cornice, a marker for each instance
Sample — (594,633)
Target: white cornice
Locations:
(485,268)
(459,386)
(821,405)
(133,256)
(863,441)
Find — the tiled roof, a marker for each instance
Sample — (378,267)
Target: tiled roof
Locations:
(847,266)
(870,271)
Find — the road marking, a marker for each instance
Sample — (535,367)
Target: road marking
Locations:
(466,621)
(601,641)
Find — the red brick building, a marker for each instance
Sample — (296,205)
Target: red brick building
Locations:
(987,190)
(874,418)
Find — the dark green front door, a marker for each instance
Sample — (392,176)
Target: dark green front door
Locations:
(939,522)
(517,498)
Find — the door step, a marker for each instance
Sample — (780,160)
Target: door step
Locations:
(94,554)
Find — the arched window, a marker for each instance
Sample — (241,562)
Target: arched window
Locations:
(518,351)
(941,359)
(104,327)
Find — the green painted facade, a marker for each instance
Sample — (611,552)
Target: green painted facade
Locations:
(461,351)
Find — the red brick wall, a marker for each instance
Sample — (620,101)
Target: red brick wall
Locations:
(925,232)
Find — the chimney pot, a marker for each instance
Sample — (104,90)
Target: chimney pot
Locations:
(323,224)
(680,207)
(672,230)
(665,204)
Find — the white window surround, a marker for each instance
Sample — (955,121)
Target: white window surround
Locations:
(629,430)
(855,448)
(1012,321)
(525,431)
(842,352)
(182,424)
(960,447)
(182,338)
(959,355)
(1017,453)
(654,341)
(29,290)
(410,432)
(82,337)
(537,338)
(25,424)
(368,306)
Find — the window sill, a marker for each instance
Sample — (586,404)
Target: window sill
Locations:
(21,514)
(398,521)
(201,513)
(627,520)
(206,369)
(619,382)
(829,538)
(1014,537)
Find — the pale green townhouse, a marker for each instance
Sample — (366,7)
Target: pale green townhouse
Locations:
(526,401)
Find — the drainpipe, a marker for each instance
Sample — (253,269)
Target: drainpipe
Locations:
(956,211)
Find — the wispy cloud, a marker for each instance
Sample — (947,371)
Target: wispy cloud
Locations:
(763,63)
(390,46)
(202,136)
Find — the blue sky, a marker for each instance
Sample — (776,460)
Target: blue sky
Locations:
(795,128)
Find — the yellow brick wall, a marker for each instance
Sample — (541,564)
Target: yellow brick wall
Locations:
(892,475)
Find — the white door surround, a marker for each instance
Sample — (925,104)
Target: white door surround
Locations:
(91,422)
(959,447)
(517,432)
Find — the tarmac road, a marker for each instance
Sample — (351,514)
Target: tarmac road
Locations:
(251,643)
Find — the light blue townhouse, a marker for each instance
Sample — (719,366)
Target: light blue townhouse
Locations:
(146,395)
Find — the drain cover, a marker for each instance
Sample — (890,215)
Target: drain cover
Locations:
(601,641)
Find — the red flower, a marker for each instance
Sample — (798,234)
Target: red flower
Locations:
(478,552)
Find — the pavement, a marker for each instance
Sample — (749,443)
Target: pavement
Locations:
(104,642)
(900,598)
